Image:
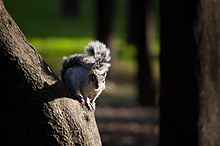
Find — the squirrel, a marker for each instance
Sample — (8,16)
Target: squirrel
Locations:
(84,74)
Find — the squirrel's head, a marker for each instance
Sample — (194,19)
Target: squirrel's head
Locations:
(97,78)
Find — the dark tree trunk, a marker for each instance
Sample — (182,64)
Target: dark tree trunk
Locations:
(137,35)
(190,73)
(70,8)
(179,93)
(33,110)
(105,12)
(133,18)
(104,20)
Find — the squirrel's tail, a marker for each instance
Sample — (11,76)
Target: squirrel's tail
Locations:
(101,54)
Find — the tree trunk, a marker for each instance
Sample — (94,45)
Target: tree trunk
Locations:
(208,37)
(70,8)
(34,110)
(137,35)
(179,93)
(190,73)
(105,12)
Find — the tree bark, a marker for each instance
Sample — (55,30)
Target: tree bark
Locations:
(34,109)
(190,73)
(207,32)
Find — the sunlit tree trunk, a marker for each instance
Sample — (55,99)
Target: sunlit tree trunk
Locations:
(33,108)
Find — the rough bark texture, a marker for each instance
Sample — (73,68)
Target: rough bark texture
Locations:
(208,38)
(71,123)
(33,108)
(190,73)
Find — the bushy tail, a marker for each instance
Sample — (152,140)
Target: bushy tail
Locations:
(101,54)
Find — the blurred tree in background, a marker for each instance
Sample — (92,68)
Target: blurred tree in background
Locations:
(70,8)
(105,16)
(137,35)
(138,20)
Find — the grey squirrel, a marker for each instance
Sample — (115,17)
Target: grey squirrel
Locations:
(84,74)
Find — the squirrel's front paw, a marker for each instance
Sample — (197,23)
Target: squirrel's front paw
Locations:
(93,105)
(82,100)
(79,98)
(90,105)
